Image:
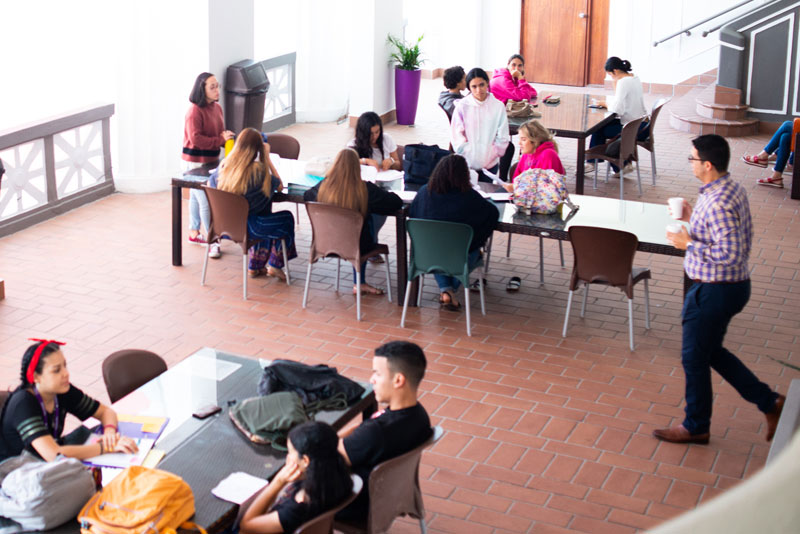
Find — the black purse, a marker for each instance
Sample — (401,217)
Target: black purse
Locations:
(419,162)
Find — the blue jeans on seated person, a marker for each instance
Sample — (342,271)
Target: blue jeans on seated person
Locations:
(445,281)
(781,144)
(271,229)
(613,129)
(374,223)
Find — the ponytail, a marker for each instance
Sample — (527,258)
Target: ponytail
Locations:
(614,63)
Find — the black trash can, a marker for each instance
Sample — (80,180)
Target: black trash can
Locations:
(246,87)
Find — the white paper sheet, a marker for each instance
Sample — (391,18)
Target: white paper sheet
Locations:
(406,195)
(119,460)
(238,487)
(500,197)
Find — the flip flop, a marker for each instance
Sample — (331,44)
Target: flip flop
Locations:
(754,161)
(448,304)
(275,272)
(770,182)
(474,285)
(367,289)
(514,284)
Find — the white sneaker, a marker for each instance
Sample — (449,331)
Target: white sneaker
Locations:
(588,168)
(214,252)
(627,170)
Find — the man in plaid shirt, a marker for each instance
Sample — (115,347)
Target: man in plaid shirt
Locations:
(717,247)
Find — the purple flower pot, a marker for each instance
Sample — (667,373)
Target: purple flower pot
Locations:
(406,94)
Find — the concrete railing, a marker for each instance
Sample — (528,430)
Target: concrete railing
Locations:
(54,165)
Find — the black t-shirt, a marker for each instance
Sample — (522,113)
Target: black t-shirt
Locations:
(389,435)
(23,421)
(291,514)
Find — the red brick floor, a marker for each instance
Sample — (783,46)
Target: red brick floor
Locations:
(543,434)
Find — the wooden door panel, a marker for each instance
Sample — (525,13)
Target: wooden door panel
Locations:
(554,41)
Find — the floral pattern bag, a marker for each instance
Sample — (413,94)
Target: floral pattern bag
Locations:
(540,190)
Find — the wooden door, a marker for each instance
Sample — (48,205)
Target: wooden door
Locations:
(557,39)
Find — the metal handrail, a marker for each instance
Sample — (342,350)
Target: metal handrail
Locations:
(737,17)
(696,24)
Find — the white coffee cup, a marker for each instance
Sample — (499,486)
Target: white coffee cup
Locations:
(674,228)
(676,207)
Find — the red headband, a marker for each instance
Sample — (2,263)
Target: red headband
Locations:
(36,355)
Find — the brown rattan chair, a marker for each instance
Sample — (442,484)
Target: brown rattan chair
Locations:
(336,233)
(126,370)
(323,523)
(627,151)
(508,245)
(605,256)
(649,144)
(393,492)
(229,219)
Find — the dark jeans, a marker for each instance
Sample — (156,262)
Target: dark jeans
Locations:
(707,310)
(374,223)
(502,168)
(611,130)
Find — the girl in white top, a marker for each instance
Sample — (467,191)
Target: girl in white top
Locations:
(627,102)
(374,147)
(479,129)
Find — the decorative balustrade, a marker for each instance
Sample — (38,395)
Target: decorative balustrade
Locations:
(53,166)
(279,109)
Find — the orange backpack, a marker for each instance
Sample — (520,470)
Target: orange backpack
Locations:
(137,501)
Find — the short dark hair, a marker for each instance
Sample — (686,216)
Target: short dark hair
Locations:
(714,149)
(405,358)
(198,94)
(516,56)
(453,76)
(614,63)
(450,174)
(49,349)
(477,72)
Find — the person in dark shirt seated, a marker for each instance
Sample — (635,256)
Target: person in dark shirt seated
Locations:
(314,480)
(455,80)
(397,370)
(344,187)
(246,172)
(33,416)
(449,196)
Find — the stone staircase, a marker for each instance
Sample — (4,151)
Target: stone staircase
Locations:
(711,108)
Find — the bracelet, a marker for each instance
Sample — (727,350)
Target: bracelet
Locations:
(106,427)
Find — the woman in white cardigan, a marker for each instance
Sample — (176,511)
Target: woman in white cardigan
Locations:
(627,102)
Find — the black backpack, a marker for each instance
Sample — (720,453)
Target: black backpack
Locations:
(419,162)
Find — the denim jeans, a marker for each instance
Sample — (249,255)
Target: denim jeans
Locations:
(613,129)
(374,223)
(198,202)
(781,144)
(707,311)
(445,281)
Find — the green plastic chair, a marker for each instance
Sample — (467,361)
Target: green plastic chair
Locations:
(440,247)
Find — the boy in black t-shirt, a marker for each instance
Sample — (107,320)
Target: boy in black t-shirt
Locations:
(397,370)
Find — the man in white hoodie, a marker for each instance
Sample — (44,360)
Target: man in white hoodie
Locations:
(479,129)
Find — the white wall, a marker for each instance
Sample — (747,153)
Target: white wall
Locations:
(636,24)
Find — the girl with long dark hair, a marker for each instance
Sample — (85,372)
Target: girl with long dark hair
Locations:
(375,147)
(314,480)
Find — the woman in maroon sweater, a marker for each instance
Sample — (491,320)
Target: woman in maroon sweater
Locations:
(204,134)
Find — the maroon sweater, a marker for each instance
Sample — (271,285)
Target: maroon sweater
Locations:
(202,133)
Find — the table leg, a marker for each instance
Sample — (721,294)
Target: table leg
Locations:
(177,202)
(579,165)
(402,256)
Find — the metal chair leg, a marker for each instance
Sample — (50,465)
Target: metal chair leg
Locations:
(286,263)
(566,315)
(541,261)
(419,290)
(308,279)
(488,253)
(205,267)
(653,162)
(483,303)
(608,170)
(646,305)
(621,183)
(466,303)
(405,304)
(630,321)
(585,297)
(358,295)
(596,163)
(338,264)
(388,277)
(639,178)
(244,276)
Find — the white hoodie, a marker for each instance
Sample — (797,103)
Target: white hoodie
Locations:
(479,131)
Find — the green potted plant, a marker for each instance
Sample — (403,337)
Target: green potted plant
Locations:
(407,76)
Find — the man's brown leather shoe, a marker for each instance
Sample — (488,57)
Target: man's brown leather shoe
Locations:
(774,416)
(679,434)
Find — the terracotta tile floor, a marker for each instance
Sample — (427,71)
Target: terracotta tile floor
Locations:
(543,434)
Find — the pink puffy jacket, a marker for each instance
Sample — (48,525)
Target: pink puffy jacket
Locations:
(504,87)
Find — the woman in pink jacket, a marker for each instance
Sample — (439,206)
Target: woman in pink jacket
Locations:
(510,84)
(539,151)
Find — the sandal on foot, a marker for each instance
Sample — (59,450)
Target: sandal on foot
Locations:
(754,161)
(514,284)
(448,301)
(770,181)
(367,289)
(277,273)
(475,287)
(255,273)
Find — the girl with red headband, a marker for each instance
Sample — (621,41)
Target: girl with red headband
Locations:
(33,417)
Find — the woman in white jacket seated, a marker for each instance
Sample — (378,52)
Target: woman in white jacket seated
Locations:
(627,103)
(479,129)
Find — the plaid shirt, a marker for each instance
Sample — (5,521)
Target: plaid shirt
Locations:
(721,232)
